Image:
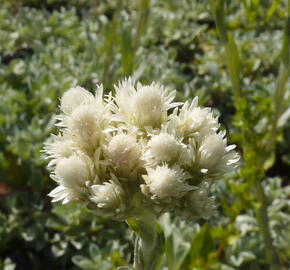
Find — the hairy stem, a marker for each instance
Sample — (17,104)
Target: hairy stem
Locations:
(149,240)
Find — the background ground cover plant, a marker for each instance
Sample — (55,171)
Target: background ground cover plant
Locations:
(45,46)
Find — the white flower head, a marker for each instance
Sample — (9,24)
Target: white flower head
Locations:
(145,106)
(192,120)
(137,143)
(61,146)
(212,150)
(73,98)
(85,124)
(108,197)
(214,154)
(124,151)
(149,106)
(198,203)
(164,147)
(72,174)
(164,182)
(125,92)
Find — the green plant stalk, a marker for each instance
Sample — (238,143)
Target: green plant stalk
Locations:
(231,50)
(263,220)
(233,66)
(110,36)
(149,241)
(128,56)
(284,73)
(144,11)
(283,76)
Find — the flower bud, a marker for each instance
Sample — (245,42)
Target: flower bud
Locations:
(164,147)
(73,172)
(84,124)
(124,151)
(73,98)
(212,149)
(62,146)
(108,197)
(197,203)
(145,106)
(194,121)
(164,182)
(148,107)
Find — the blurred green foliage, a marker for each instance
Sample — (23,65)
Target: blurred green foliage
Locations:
(48,46)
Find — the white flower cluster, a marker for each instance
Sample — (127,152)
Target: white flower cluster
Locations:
(137,149)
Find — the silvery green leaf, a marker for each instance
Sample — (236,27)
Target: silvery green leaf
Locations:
(243,256)
(284,118)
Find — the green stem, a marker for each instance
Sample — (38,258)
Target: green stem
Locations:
(130,44)
(284,72)
(263,220)
(231,50)
(233,66)
(149,240)
(144,10)
(110,36)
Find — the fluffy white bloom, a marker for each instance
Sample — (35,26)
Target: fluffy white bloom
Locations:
(125,92)
(212,150)
(192,120)
(154,157)
(72,174)
(164,182)
(215,154)
(150,106)
(85,114)
(85,125)
(61,146)
(124,151)
(165,147)
(108,197)
(197,203)
(73,98)
(145,106)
